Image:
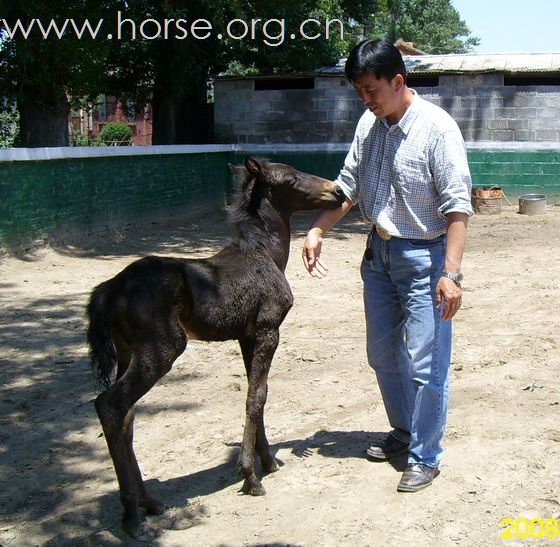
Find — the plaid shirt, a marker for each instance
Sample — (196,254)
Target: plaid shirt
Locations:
(408,176)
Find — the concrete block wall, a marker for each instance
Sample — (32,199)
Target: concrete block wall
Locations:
(484,108)
(487,110)
(326,114)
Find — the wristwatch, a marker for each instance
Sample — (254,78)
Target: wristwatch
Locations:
(457,277)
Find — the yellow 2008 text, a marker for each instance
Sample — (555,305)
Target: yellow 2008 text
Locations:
(529,528)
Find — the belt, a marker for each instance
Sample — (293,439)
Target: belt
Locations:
(383,234)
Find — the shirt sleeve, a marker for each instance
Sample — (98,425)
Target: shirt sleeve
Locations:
(451,174)
(348,178)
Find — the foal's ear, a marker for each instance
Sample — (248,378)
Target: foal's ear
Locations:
(238,171)
(252,165)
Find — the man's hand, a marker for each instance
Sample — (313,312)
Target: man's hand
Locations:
(448,292)
(311,254)
(312,245)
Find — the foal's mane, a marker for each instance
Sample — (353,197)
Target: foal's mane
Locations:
(248,209)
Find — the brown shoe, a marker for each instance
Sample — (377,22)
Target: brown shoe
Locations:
(416,477)
(387,449)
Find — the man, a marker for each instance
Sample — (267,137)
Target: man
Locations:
(407,168)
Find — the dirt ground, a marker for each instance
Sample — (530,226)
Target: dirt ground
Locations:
(502,446)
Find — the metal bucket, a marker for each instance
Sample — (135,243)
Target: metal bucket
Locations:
(532,204)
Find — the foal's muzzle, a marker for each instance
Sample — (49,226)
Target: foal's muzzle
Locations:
(339,195)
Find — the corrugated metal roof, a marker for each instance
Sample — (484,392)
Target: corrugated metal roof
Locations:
(484,62)
(456,63)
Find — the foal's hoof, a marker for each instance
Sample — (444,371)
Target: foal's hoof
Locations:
(270,466)
(153,506)
(252,488)
(131,522)
(138,530)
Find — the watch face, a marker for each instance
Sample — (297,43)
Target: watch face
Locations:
(458,277)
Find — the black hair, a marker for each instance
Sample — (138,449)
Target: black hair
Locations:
(377,57)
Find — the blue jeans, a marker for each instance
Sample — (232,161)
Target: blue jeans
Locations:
(408,344)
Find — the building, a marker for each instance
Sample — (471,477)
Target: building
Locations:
(493,97)
(109,109)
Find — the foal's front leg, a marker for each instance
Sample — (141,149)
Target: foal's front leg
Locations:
(262,447)
(265,344)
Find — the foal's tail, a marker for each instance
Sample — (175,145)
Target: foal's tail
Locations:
(102,350)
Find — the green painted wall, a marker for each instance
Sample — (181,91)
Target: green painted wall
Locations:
(323,164)
(54,199)
(517,171)
(48,200)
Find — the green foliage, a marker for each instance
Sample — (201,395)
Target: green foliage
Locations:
(43,66)
(172,73)
(83,139)
(116,134)
(237,68)
(283,53)
(41,73)
(9,128)
(138,68)
(434,25)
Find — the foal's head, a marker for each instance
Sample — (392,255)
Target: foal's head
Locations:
(287,189)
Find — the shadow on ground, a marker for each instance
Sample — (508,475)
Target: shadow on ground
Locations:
(47,390)
(202,235)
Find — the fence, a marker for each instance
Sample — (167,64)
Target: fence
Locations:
(50,195)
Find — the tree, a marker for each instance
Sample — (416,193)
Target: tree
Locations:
(434,25)
(150,58)
(42,74)
(9,124)
(290,49)
(169,71)
(174,73)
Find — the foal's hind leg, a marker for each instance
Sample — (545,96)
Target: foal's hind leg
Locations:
(114,408)
(152,506)
(149,503)
(112,411)
(262,447)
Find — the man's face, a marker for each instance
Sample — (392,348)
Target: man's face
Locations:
(379,95)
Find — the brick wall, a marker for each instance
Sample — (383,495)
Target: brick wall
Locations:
(484,108)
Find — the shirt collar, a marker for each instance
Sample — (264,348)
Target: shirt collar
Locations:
(405,123)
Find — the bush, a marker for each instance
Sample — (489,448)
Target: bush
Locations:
(116,134)
(83,139)
(9,128)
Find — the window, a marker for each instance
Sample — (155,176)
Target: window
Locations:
(416,80)
(101,106)
(532,79)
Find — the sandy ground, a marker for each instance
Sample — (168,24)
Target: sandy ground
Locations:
(57,484)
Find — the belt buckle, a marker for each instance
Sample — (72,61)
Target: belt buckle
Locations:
(383,234)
